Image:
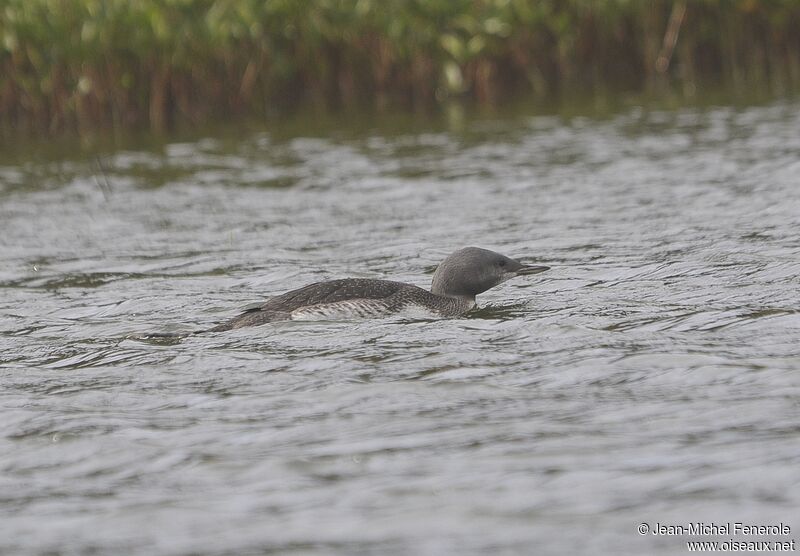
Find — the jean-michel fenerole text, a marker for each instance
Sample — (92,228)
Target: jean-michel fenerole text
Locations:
(728,529)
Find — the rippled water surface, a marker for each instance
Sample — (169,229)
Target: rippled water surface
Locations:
(651,376)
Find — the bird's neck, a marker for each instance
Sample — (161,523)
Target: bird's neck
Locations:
(456,304)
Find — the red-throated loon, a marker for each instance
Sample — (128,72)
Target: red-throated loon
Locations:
(456,282)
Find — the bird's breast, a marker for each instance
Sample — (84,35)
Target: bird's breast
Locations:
(353,308)
(363,308)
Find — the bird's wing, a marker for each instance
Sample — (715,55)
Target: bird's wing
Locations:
(333,291)
(250,307)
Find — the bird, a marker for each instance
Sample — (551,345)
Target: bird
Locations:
(456,282)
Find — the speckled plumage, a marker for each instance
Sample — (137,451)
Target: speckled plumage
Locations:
(349,297)
(456,282)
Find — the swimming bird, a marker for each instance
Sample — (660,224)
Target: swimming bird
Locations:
(457,280)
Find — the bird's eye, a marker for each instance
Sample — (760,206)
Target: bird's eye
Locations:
(502,263)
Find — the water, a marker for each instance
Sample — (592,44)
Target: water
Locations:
(651,376)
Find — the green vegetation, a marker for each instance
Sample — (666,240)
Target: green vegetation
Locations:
(81,64)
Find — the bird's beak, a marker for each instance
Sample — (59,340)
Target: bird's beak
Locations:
(532,270)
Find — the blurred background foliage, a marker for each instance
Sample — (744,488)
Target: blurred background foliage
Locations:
(84,64)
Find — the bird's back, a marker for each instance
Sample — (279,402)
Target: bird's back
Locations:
(333,291)
(355,297)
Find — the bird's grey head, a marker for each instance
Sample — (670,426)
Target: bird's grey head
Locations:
(472,270)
